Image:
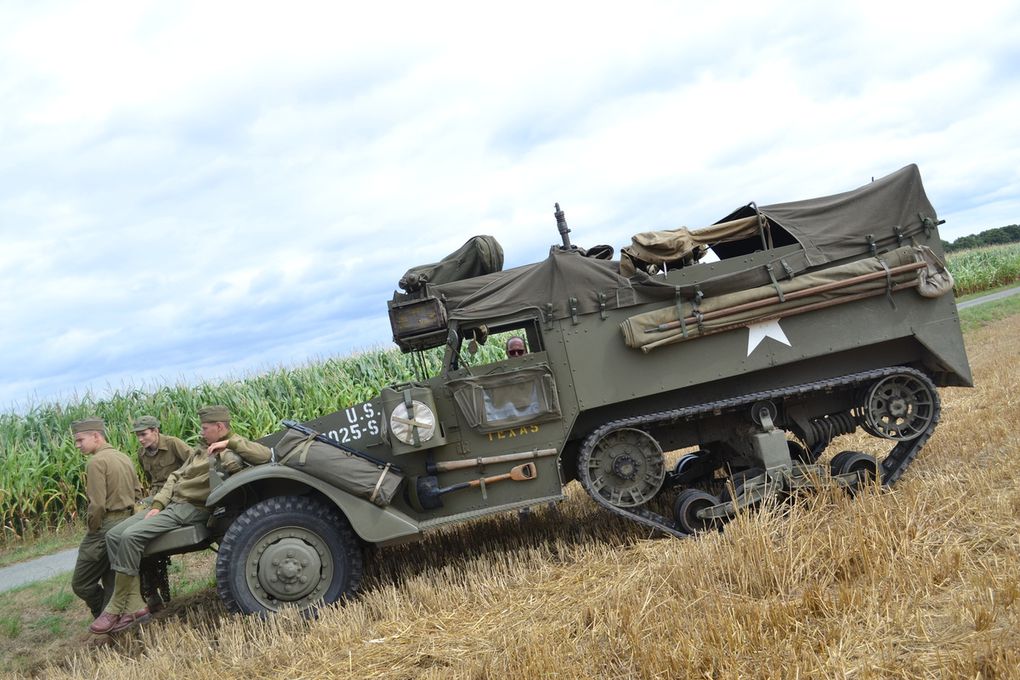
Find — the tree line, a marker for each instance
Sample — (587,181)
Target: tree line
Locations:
(988,237)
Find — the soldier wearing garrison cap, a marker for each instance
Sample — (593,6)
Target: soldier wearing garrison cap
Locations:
(180,503)
(159,454)
(112,487)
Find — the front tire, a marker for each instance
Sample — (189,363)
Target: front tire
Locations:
(287,551)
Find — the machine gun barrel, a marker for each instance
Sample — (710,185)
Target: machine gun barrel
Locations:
(561,224)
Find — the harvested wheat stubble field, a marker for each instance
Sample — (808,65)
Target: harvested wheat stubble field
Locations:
(922,581)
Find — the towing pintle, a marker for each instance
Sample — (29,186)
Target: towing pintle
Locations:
(561,224)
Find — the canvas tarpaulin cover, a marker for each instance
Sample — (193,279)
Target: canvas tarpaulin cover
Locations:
(836,227)
(830,229)
(661,327)
(480,255)
(683,244)
(341,469)
(561,276)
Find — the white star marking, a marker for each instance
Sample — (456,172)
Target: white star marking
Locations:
(757,332)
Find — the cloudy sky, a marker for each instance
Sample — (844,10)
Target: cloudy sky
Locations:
(190,191)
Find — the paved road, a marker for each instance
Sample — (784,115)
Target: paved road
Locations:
(45,567)
(988,298)
(38,569)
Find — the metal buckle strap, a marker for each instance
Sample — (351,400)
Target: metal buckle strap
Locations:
(888,282)
(696,308)
(679,301)
(301,451)
(378,483)
(775,284)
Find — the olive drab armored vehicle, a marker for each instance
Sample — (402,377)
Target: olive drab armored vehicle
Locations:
(815,319)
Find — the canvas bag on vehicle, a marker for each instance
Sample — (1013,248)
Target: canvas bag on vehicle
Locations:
(376,483)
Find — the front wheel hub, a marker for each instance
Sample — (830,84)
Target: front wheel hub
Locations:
(289,565)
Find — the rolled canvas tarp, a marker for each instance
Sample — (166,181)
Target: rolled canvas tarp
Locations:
(681,245)
(660,327)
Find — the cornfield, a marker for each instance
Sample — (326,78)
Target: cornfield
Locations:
(982,269)
(41,473)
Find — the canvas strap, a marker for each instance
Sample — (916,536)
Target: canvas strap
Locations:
(378,483)
(301,451)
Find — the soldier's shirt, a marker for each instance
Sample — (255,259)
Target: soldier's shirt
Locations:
(169,455)
(190,483)
(111,484)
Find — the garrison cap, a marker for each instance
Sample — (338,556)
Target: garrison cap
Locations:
(144,423)
(91,424)
(214,414)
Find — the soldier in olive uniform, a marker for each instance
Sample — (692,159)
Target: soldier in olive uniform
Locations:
(160,454)
(112,487)
(180,503)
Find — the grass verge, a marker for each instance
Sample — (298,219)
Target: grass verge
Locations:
(44,622)
(982,315)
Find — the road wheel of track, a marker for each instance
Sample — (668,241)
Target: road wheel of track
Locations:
(287,551)
(864,465)
(687,506)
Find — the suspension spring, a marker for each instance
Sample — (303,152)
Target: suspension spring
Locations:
(827,428)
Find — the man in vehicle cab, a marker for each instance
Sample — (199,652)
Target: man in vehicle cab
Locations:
(515,347)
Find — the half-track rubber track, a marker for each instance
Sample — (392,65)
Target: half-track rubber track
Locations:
(895,463)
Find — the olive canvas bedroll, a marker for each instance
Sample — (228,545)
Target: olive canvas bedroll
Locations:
(895,270)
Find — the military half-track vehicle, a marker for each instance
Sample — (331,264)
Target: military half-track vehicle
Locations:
(818,318)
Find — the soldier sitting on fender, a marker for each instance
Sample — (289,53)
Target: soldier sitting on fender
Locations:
(180,503)
(159,455)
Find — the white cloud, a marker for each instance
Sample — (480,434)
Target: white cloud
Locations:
(194,189)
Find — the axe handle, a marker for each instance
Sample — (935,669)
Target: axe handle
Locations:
(448,466)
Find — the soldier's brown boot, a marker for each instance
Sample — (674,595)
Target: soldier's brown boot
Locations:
(104,623)
(127,620)
(132,605)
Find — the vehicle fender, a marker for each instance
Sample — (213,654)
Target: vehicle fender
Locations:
(369,521)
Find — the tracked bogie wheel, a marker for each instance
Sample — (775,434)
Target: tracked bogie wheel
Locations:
(862,465)
(687,506)
(626,467)
(287,551)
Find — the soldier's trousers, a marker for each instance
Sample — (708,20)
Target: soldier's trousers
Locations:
(92,579)
(126,542)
